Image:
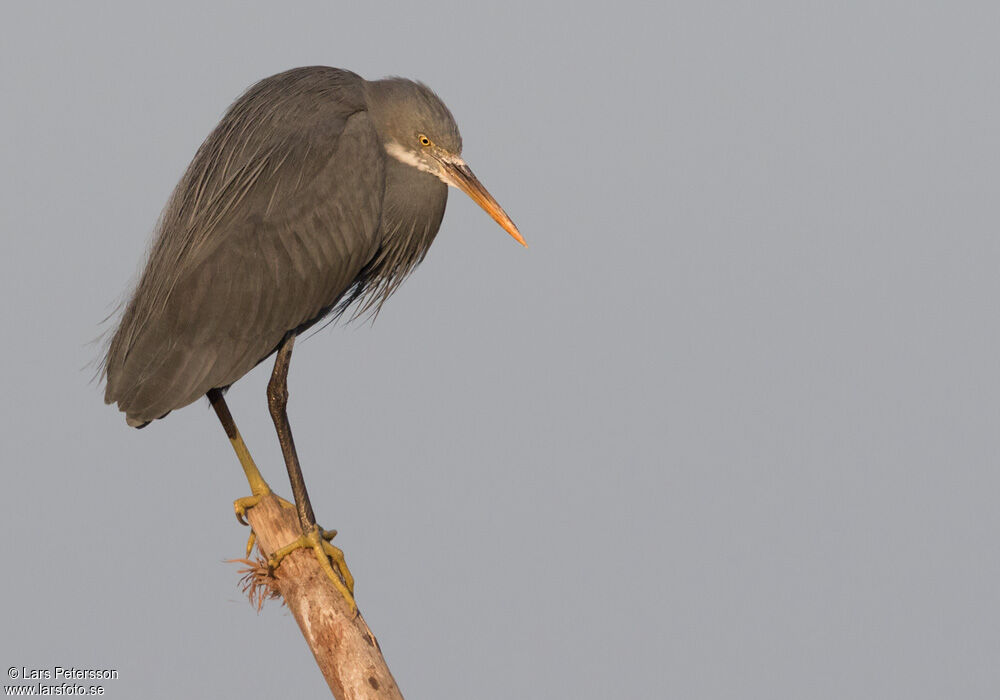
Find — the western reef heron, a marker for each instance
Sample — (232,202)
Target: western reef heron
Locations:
(318,191)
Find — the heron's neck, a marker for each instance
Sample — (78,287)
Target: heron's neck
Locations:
(414,203)
(412,208)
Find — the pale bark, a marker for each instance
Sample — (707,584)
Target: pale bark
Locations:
(345,649)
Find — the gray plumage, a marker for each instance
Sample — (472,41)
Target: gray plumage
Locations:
(291,210)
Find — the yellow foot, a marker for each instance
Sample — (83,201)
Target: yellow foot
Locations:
(242,505)
(318,540)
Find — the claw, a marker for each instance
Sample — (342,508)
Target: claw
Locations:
(337,555)
(242,505)
(316,539)
(319,543)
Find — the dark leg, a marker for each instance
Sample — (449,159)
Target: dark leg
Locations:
(312,535)
(277,402)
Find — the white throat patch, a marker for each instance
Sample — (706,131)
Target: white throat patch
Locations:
(405,155)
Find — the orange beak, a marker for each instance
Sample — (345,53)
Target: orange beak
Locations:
(459,175)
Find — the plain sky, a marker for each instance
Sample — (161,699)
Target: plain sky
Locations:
(728,429)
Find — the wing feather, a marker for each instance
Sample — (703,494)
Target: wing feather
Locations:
(271,224)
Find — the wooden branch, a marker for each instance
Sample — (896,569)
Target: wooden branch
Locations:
(345,649)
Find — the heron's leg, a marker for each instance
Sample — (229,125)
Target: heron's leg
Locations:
(313,536)
(258,487)
(277,402)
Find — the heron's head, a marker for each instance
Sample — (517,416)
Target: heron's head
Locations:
(418,130)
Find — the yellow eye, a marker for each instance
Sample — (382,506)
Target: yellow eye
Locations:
(424,141)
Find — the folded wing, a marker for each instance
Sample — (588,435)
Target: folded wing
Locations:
(270,226)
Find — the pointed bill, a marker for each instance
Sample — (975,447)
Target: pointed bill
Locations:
(458,174)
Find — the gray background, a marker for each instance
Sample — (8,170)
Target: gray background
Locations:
(728,429)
